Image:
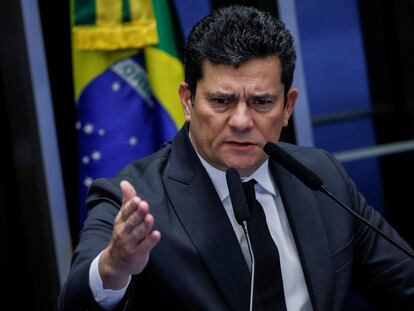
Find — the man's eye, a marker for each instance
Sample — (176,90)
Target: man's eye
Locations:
(221,101)
(261,101)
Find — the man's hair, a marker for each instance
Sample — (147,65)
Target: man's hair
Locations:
(234,35)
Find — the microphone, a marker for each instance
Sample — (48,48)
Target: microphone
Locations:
(304,174)
(242,214)
(237,196)
(314,182)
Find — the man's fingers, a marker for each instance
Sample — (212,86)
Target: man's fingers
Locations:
(149,242)
(128,191)
(133,236)
(135,218)
(137,237)
(132,207)
(140,231)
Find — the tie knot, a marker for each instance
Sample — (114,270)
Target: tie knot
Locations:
(249,190)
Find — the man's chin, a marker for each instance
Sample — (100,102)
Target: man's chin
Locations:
(245,168)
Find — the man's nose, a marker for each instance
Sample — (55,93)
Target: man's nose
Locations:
(241,117)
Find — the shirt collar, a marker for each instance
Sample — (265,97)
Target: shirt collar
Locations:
(262,176)
(218,177)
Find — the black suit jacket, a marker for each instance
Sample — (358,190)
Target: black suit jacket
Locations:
(199,265)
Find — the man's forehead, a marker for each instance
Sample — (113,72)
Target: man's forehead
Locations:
(206,62)
(256,74)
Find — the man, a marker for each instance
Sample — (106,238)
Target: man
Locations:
(162,234)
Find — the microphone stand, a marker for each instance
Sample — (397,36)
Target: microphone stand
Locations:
(249,245)
(314,182)
(242,214)
(406,251)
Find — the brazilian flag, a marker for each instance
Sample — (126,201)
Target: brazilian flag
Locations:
(126,76)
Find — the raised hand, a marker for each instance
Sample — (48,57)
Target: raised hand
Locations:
(133,238)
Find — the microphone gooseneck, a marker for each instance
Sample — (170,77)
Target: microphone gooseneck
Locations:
(314,182)
(242,214)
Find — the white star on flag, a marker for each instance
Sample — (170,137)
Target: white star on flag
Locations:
(96,155)
(133,141)
(116,86)
(88,128)
(87,181)
(85,160)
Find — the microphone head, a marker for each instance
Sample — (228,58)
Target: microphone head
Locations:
(237,196)
(304,174)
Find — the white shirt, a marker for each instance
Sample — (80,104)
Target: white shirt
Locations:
(295,289)
(294,286)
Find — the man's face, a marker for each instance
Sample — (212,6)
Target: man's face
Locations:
(236,111)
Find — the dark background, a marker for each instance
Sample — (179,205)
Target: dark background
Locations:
(27,249)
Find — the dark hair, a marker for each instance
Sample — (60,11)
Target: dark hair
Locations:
(234,35)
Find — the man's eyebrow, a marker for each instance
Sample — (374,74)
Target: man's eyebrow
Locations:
(262,96)
(210,95)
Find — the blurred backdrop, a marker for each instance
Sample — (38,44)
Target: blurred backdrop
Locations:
(64,72)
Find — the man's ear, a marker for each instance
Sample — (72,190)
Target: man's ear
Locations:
(185,97)
(292,95)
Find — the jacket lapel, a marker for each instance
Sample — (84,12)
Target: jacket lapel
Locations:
(202,215)
(310,236)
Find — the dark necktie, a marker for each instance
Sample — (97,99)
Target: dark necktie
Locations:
(268,277)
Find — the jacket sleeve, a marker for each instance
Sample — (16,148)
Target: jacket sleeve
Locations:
(104,200)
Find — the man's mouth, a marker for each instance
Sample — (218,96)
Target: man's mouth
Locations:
(241,144)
